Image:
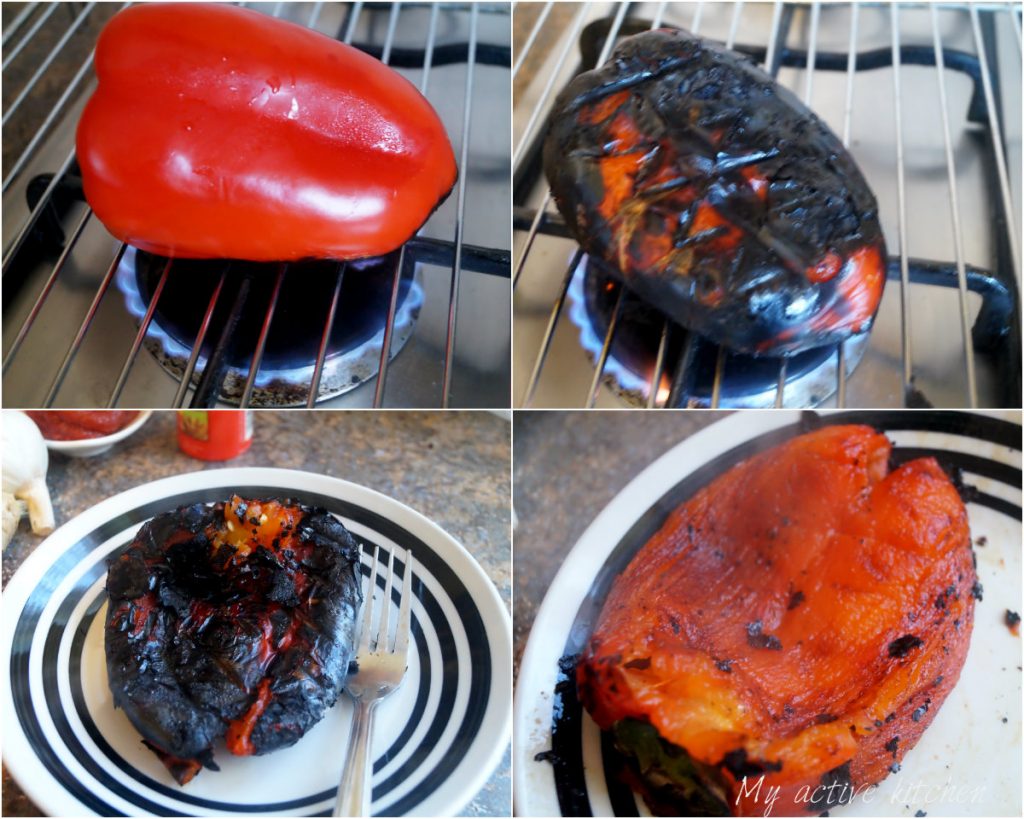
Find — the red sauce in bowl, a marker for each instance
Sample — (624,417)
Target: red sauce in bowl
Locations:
(77,425)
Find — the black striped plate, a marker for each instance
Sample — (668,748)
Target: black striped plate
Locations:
(437,739)
(967,763)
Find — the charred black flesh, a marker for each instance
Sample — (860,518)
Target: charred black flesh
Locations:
(716,195)
(233,621)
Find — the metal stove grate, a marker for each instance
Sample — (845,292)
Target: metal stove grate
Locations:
(59,263)
(891,70)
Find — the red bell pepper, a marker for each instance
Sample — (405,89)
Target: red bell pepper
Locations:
(218,132)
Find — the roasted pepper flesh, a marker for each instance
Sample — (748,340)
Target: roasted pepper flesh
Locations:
(799,613)
(219,132)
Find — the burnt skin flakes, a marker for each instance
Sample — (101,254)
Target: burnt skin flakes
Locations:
(903,645)
(740,765)
(920,711)
(838,785)
(1012,620)
(756,639)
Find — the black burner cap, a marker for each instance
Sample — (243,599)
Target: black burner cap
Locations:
(300,314)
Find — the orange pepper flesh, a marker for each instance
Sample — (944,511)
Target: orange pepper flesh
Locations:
(779,612)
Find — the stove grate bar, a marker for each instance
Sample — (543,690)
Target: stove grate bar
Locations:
(460,207)
(51,118)
(314,15)
(602,360)
(389,324)
(545,94)
(36,212)
(541,19)
(321,356)
(76,343)
(47,62)
(995,131)
(520,150)
(51,280)
(659,364)
(19,21)
(556,312)
(389,327)
(716,388)
(190,367)
(773,69)
(261,342)
(606,50)
(66,96)
(851,70)
(606,347)
(954,205)
(140,336)
(38,24)
(905,346)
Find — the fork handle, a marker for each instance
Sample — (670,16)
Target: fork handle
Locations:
(354,790)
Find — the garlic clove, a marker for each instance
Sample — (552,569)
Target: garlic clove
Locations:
(13,511)
(40,509)
(25,461)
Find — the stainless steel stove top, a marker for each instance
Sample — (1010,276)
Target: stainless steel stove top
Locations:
(916,353)
(68,338)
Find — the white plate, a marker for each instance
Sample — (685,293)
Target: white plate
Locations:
(437,739)
(974,743)
(87,447)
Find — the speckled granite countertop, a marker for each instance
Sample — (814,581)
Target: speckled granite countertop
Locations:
(568,466)
(452,467)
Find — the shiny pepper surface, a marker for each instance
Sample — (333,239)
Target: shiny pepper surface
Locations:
(219,132)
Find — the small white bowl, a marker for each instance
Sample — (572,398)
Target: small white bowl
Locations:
(87,447)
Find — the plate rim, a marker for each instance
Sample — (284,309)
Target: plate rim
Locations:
(25,766)
(536,678)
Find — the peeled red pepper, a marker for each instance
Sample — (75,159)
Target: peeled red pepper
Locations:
(219,132)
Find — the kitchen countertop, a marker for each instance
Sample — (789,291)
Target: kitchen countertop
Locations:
(568,466)
(451,467)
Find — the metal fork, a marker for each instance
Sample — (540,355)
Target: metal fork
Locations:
(379,671)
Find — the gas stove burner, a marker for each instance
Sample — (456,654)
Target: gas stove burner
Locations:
(747,382)
(289,357)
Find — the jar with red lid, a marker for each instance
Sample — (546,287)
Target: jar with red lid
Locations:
(214,435)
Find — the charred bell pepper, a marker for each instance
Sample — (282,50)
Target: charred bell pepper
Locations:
(717,196)
(801,618)
(235,621)
(219,132)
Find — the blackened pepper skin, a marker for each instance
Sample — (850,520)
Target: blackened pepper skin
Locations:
(717,196)
(233,621)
